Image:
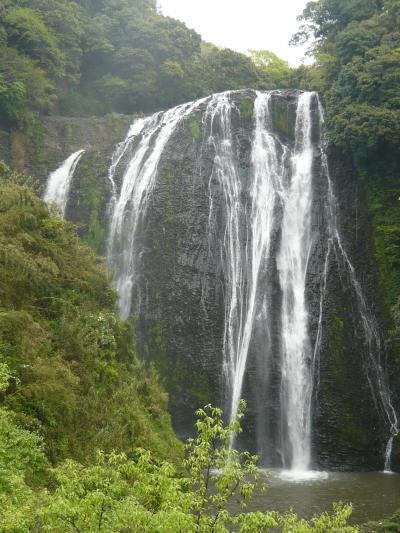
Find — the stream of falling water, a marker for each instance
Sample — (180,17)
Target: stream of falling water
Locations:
(244,251)
(59,182)
(119,152)
(292,261)
(218,117)
(129,208)
(243,261)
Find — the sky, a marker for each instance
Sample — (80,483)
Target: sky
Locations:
(242,24)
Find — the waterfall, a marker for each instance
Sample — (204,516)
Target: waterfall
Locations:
(59,182)
(225,174)
(245,251)
(129,208)
(388,454)
(118,154)
(260,234)
(292,260)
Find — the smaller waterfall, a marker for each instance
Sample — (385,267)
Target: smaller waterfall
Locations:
(388,455)
(318,339)
(245,247)
(59,182)
(118,154)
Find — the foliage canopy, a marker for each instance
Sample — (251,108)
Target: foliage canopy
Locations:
(83,57)
(75,377)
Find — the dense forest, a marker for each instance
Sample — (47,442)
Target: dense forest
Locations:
(95,57)
(86,442)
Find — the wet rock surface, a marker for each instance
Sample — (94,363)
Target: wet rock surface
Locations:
(350,433)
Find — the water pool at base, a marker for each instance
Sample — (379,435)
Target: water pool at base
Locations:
(374,495)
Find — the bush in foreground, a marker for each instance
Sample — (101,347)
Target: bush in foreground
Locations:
(139,494)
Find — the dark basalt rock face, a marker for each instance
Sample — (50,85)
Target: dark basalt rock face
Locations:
(396,454)
(350,432)
(180,300)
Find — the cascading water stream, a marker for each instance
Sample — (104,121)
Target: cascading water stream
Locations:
(245,251)
(137,185)
(59,182)
(119,152)
(225,174)
(388,452)
(292,261)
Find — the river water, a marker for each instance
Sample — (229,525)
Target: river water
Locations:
(374,495)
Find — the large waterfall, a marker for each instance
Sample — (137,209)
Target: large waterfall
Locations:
(225,225)
(245,258)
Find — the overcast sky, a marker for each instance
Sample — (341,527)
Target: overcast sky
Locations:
(242,24)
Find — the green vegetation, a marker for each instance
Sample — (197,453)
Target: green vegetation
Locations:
(92,189)
(75,377)
(118,493)
(194,128)
(176,374)
(276,70)
(77,57)
(391,524)
(246,106)
(283,121)
(70,380)
(356,49)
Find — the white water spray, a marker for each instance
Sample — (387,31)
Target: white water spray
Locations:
(245,251)
(388,455)
(225,174)
(118,154)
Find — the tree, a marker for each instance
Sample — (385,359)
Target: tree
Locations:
(30,35)
(276,70)
(356,47)
(21,458)
(141,494)
(80,382)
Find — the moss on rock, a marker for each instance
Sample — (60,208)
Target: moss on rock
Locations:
(88,200)
(246,106)
(194,127)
